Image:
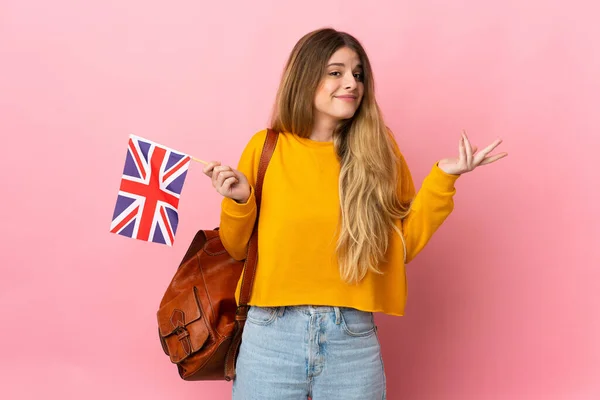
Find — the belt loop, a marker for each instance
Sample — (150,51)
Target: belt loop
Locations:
(280,311)
(338,316)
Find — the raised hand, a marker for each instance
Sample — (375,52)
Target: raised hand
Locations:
(468,158)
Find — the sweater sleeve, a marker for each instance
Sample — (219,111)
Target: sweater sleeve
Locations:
(237,219)
(429,208)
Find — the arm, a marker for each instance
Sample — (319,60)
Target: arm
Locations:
(434,202)
(429,208)
(239,216)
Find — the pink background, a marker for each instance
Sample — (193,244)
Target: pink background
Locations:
(504,301)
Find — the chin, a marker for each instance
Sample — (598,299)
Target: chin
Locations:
(338,114)
(346,114)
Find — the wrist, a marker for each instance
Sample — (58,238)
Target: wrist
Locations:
(446,170)
(244,200)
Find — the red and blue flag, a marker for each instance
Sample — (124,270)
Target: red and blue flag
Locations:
(148,199)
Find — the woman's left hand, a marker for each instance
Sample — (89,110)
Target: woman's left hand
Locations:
(468,159)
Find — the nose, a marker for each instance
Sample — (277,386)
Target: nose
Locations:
(349,81)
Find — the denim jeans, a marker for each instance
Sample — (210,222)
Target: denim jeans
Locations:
(291,353)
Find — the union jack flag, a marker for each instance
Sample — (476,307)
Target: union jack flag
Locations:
(148,198)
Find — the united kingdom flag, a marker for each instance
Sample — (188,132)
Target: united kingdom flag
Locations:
(148,198)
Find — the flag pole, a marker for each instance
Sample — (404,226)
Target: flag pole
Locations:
(198,160)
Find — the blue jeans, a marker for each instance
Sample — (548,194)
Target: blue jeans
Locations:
(291,353)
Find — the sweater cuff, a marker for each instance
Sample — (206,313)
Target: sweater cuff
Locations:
(441,181)
(239,210)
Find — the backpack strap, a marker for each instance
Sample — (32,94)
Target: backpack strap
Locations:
(252,257)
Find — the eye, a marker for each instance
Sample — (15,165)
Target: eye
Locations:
(334,73)
(359,76)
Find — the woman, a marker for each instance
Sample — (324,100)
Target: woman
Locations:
(339,219)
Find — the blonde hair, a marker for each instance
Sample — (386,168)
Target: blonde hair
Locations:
(369,175)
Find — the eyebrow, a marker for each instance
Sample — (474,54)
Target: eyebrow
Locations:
(342,65)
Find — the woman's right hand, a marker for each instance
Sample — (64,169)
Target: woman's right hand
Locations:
(228,181)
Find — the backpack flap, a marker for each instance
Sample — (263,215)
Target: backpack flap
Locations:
(181,327)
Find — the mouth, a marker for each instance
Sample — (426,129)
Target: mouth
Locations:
(348,98)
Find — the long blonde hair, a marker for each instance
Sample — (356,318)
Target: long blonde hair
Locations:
(369,175)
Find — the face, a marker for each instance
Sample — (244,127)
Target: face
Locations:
(341,90)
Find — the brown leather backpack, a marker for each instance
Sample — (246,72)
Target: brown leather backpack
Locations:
(199,324)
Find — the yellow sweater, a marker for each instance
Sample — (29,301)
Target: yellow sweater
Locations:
(298,223)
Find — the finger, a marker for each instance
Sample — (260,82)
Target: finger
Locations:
(469,150)
(492,159)
(462,157)
(223,176)
(221,168)
(218,170)
(226,187)
(492,146)
(483,153)
(208,168)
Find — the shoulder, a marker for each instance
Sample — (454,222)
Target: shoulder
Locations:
(254,145)
(250,158)
(257,139)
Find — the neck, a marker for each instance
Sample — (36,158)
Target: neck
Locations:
(323,130)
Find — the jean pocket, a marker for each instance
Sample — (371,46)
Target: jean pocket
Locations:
(262,315)
(357,323)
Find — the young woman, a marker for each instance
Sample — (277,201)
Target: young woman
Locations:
(339,219)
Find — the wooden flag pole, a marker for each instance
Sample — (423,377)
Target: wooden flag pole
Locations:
(200,161)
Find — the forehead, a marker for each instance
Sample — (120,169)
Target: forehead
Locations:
(345,56)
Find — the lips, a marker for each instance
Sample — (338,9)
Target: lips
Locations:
(348,98)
